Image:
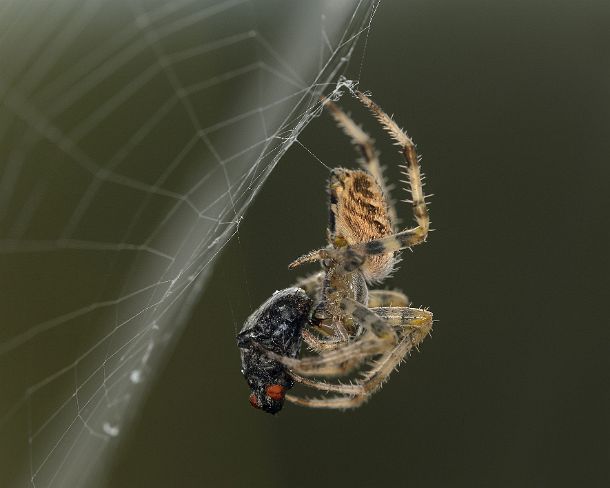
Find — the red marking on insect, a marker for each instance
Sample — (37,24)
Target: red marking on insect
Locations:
(276,392)
(254,401)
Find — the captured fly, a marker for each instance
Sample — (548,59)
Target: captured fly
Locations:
(275,326)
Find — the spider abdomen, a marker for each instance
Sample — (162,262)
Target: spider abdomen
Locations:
(359,213)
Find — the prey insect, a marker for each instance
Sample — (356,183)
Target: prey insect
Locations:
(350,328)
(275,327)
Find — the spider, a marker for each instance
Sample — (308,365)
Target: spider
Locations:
(348,326)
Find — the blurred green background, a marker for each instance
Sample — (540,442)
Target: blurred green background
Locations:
(508,103)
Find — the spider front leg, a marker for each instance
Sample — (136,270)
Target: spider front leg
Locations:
(378,336)
(411,168)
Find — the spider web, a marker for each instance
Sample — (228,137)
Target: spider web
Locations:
(133,136)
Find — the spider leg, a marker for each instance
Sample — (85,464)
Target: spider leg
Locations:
(341,369)
(387,298)
(372,324)
(354,395)
(311,257)
(338,402)
(407,320)
(346,389)
(414,325)
(352,257)
(332,363)
(318,344)
(412,168)
(366,146)
(377,336)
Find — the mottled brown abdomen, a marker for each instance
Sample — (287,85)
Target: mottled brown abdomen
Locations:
(359,213)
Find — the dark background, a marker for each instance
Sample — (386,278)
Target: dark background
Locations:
(508,103)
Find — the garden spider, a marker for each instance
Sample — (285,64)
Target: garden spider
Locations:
(346,324)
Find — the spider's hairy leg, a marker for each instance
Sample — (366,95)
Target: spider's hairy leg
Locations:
(372,324)
(365,145)
(412,168)
(414,324)
(355,395)
(387,298)
(352,257)
(310,257)
(318,344)
(332,363)
(338,402)
(345,389)
(378,336)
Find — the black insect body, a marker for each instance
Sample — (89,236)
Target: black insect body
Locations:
(275,326)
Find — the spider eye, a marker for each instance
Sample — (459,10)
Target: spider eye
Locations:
(275,392)
(254,401)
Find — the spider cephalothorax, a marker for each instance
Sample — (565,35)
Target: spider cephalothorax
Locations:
(348,325)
